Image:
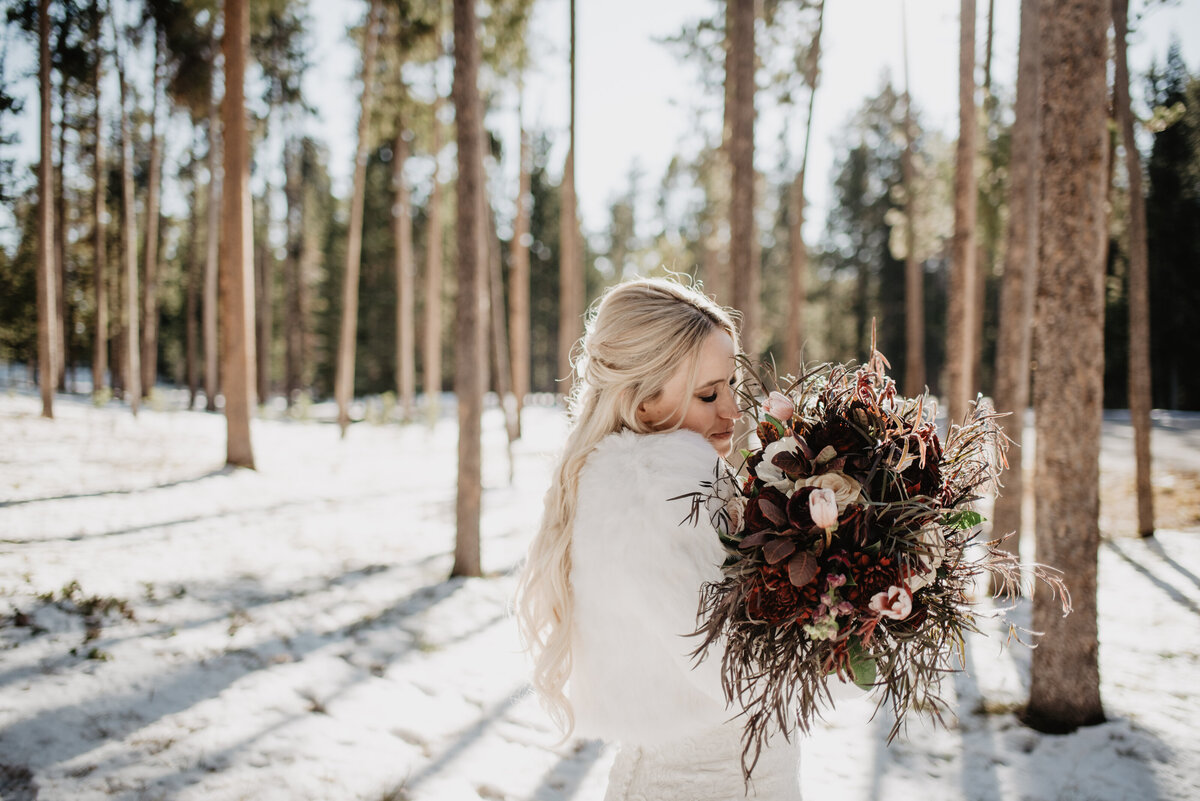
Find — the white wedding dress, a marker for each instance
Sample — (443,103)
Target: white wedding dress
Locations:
(704,768)
(637,568)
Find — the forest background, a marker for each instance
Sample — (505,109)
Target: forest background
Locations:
(636,220)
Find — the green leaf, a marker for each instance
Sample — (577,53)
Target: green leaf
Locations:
(778,426)
(862,666)
(963,519)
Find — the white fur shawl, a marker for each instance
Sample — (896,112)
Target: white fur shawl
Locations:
(637,570)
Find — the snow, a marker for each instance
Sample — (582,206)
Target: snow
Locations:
(295,635)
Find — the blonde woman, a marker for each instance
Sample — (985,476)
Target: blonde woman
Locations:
(612,582)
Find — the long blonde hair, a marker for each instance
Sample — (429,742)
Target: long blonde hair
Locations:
(635,338)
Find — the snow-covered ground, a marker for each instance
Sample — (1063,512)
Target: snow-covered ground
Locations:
(290,633)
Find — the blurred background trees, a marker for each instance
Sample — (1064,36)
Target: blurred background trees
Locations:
(821,294)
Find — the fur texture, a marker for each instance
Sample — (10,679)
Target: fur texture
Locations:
(637,570)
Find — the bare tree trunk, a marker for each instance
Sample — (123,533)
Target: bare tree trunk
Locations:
(212,262)
(433,279)
(571,290)
(1139,282)
(914,283)
(237,242)
(60,245)
(1020,277)
(344,378)
(1065,679)
(150,290)
(518,280)
(406,355)
(46,283)
(263,270)
(983,258)
(798,251)
(469,323)
(740,64)
(960,304)
(131,364)
(195,277)
(99,247)
(293,321)
(495,286)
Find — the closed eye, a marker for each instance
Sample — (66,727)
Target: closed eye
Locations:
(712,396)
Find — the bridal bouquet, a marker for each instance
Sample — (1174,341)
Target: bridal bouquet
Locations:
(848,557)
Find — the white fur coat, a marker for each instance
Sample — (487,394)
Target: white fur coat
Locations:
(637,570)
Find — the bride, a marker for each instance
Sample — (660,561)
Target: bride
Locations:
(610,588)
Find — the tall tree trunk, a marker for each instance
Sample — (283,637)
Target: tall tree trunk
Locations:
(406,355)
(433,278)
(131,364)
(797,250)
(60,245)
(469,309)
(1068,387)
(518,279)
(264,268)
(344,378)
(46,284)
(983,257)
(195,277)
(150,290)
(914,278)
(571,290)
(740,63)
(1020,277)
(960,305)
(212,261)
(1139,282)
(293,324)
(99,244)
(499,330)
(237,242)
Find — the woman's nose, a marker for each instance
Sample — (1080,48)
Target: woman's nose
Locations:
(727,407)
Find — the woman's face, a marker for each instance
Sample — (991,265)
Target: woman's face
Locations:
(712,407)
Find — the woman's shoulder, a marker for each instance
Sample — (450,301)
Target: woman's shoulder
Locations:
(662,450)
(628,468)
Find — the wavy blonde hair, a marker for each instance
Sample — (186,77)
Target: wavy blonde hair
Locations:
(635,338)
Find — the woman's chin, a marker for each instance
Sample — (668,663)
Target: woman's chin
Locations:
(722,444)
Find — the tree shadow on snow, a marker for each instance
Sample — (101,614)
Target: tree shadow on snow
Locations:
(222,471)
(64,732)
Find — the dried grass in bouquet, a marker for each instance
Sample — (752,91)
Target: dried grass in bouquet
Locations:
(848,539)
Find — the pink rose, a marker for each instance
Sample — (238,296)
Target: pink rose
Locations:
(896,603)
(779,406)
(823,506)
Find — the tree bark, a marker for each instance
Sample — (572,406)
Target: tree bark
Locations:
(499,329)
(237,241)
(914,278)
(469,306)
(1020,277)
(570,318)
(740,63)
(46,284)
(293,322)
(195,277)
(61,326)
(212,262)
(99,244)
(131,367)
(406,378)
(433,278)
(959,305)
(1068,385)
(344,378)
(518,280)
(1139,282)
(797,250)
(264,264)
(150,288)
